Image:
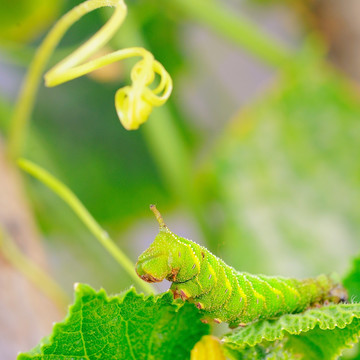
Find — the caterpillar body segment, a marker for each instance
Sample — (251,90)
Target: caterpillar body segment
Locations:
(222,293)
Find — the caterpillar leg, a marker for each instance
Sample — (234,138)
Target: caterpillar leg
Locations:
(338,294)
(235,324)
(186,290)
(208,320)
(199,285)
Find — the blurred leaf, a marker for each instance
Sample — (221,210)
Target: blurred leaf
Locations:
(287,176)
(315,334)
(352,281)
(129,326)
(208,348)
(23,20)
(263,351)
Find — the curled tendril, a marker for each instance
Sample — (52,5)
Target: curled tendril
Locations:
(133,103)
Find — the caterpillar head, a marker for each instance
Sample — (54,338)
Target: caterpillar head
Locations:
(154,264)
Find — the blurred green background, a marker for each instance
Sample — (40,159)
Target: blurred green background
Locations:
(268,172)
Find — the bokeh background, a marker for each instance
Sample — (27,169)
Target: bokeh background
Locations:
(255,156)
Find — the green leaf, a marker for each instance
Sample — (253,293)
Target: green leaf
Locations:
(128,326)
(318,333)
(286,176)
(352,280)
(264,351)
(322,344)
(23,20)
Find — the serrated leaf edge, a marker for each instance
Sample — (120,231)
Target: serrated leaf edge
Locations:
(81,290)
(259,338)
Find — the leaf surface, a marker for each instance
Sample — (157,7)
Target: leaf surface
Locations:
(352,280)
(286,176)
(128,326)
(317,334)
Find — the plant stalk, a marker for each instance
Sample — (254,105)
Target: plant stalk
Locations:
(74,203)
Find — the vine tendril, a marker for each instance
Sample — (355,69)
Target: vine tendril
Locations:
(133,103)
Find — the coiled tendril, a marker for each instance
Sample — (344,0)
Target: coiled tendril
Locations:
(133,103)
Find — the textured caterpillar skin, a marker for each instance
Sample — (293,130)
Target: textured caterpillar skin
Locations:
(221,292)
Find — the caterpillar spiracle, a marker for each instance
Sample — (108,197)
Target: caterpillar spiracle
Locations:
(220,292)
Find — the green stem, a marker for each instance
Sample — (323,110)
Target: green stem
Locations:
(74,203)
(34,273)
(237,28)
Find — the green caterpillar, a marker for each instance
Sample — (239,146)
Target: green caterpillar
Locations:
(222,293)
